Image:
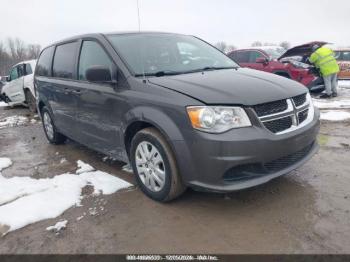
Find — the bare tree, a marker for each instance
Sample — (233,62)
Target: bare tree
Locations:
(269,44)
(230,48)
(5,60)
(285,44)
(17,49)
(256,43)
(33,51)
(222,46)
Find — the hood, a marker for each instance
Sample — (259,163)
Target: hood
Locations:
(240,86)
(302,50)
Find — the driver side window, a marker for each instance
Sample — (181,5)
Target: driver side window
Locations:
(14,73)
(92,54)
(254,55)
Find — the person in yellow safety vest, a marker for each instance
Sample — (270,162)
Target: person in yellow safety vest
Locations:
(323,58)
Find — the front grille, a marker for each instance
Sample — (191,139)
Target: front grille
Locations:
(303,115)
(287,161)
(299,100)
(279,125)
(271,108)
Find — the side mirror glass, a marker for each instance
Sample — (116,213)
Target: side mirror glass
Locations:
(99,74)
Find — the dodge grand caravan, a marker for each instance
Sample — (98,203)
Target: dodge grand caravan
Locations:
(180,111)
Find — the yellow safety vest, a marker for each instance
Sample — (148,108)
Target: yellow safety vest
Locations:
(324,59)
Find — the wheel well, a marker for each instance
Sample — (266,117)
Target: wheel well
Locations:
(41,105)
(281,73)
(131,131)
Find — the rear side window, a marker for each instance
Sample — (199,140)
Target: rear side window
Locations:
(92,54)
(43,67)
(64,60)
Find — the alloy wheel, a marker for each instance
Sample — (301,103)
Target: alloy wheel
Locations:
(150,166)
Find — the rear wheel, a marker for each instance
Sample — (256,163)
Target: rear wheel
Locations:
(30,100)
(155,166)
(50,130)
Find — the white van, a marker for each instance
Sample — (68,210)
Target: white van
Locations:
(19,88)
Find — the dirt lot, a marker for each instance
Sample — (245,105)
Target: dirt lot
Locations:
(307,211)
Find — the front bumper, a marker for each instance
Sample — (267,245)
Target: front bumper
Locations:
(239,158)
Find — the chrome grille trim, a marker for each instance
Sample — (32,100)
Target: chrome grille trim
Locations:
(293,112)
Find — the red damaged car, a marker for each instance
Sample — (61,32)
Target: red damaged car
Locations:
(291,63)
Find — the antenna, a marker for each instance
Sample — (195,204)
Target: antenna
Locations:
(139,21)
(138,15)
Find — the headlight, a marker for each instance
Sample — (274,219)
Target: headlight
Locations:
(217,119)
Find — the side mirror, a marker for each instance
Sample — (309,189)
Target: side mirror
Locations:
(99,74)
(262,60)
(8,79)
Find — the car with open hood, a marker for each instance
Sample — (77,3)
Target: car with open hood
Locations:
(177,109)
(291,63)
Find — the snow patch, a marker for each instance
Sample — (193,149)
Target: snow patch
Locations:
(344,83)
(13,121)
(3,104)
(58,226)
(24,200)
(83,167)
(323,104)
(63,160)
(335,115)
(4,163)
(127,168)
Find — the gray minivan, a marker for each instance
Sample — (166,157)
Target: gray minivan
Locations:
(180,111)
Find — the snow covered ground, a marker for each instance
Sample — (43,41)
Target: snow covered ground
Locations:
(3,104)
(344,83)
(336,109)
(335,115)
(12,121)
(24,200)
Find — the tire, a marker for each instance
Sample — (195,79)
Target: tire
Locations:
(30,100)
(171,185)
(52,135)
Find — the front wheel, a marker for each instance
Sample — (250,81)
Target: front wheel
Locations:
(155,166)
(50,130)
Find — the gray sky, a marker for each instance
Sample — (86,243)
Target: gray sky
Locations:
(238,22)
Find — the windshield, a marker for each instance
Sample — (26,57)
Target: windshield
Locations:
(152,54)
(275,53)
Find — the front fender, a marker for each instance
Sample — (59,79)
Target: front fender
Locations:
(155,117)
(171,131)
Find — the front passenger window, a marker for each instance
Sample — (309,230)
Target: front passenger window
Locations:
(92,54)
(14,73)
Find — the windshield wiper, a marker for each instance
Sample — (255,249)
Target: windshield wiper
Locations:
(161,73)
(209,68)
